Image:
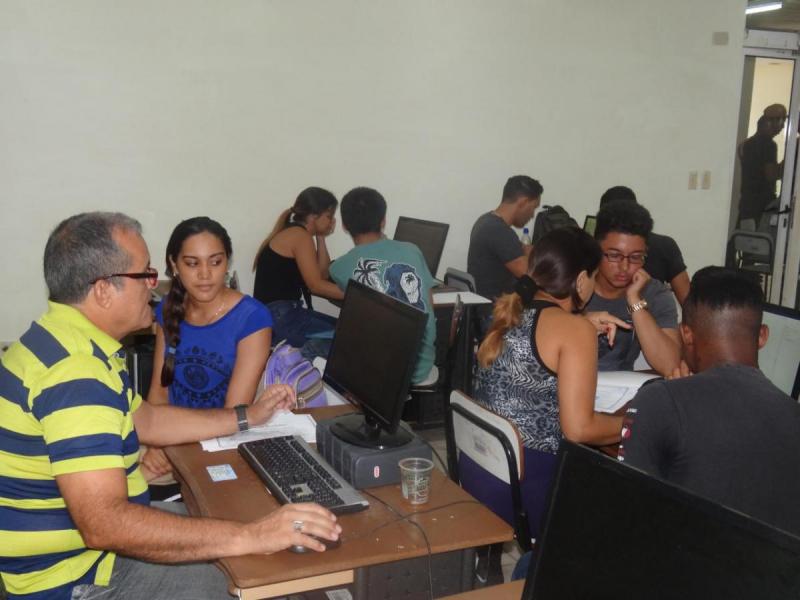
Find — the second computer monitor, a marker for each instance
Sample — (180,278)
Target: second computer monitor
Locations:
(372,358)
(428,236)
(779,359)
(613,531)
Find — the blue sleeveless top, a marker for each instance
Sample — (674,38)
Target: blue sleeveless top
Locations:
(519,387)
(206,355)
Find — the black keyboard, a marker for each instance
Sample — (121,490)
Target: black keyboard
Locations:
(294,472)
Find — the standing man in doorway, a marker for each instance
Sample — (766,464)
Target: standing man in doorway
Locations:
(760,168)
(496,257)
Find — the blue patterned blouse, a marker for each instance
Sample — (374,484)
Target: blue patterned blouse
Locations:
(519,387)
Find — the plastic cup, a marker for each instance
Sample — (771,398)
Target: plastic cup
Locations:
(415,479)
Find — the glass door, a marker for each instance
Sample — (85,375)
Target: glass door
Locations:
(765,172)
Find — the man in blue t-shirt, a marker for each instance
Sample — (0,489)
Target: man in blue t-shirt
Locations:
(395,268)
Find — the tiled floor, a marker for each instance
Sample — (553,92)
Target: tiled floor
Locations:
(435,437)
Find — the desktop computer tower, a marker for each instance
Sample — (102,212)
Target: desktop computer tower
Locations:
(367,467)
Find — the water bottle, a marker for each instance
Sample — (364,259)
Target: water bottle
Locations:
(525,238)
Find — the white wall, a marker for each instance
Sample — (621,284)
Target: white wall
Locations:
(167,110)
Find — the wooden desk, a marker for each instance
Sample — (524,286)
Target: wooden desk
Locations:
(452,521)
(505,591)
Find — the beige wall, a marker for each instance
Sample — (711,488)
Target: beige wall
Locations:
(167,110)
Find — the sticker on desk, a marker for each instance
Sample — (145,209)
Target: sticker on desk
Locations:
(342,594)
(221,472)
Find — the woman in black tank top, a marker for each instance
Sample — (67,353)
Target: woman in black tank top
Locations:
(291,264)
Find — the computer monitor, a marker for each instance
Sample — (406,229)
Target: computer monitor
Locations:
(428,236)
(779,359)
(371,361)
(613,531)
(589,224)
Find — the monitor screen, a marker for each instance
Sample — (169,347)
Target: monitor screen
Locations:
(428,236)
(589,224)
(780,357)
(373,354)
(612,531)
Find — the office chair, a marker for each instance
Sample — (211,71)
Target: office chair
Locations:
(494,444)
(752,252)
(460,280)
(426,416)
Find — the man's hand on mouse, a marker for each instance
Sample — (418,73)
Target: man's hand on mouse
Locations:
(290,525)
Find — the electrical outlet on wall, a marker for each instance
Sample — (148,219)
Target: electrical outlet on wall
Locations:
(692,180)
(706,182)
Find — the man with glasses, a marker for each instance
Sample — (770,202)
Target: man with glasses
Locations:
(75,520)
(623,289)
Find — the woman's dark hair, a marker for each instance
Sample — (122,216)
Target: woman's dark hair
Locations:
(554,266)
(311,201)
(174,310)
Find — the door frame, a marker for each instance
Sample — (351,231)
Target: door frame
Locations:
(783,45)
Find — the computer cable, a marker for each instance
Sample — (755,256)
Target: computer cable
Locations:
(407,518)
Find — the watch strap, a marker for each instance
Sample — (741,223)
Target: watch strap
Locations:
(241,417)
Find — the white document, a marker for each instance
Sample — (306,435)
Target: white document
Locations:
(282,423)
(616,388)
(445,298)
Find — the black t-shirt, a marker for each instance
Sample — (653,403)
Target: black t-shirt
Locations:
(492,244)
(727,434)
(757,190)
(664,258)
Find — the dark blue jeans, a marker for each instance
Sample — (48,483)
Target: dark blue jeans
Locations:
(297,324)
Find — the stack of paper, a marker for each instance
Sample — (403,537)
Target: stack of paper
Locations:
(617,388)
(282,423)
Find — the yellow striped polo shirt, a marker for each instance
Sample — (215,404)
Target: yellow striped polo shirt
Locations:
(66,406)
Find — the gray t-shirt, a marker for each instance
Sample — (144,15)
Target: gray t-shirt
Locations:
(727,434)
(660,303)
(492,244)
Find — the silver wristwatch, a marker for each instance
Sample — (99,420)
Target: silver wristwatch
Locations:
(637,306)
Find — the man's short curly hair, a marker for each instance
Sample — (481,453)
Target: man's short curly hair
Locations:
(623,217)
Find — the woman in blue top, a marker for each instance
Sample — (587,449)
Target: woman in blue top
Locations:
(212,342)
(539,362)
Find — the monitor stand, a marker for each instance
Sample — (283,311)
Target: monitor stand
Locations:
(356,429)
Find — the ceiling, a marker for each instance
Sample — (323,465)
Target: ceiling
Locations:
(785,19)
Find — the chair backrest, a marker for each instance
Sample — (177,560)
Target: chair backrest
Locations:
(461,280)
(495,446)
(455,321)
(480,434)
(752,246)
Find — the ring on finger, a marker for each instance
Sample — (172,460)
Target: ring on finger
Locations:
(297,525)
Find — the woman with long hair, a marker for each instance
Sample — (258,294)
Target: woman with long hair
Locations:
(292,263)
(212,342)
(538,362)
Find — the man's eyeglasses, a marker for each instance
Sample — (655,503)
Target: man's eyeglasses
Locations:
(635,258)
(151,275)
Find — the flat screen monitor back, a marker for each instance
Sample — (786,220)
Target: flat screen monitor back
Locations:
(779,359)
(590,224)
(615,532)
(371,361)
(428,236)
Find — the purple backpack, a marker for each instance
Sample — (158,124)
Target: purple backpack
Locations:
(287,365)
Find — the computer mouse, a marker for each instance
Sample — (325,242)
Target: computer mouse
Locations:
(329,545)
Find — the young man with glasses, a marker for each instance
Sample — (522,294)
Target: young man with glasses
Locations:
(623,289)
